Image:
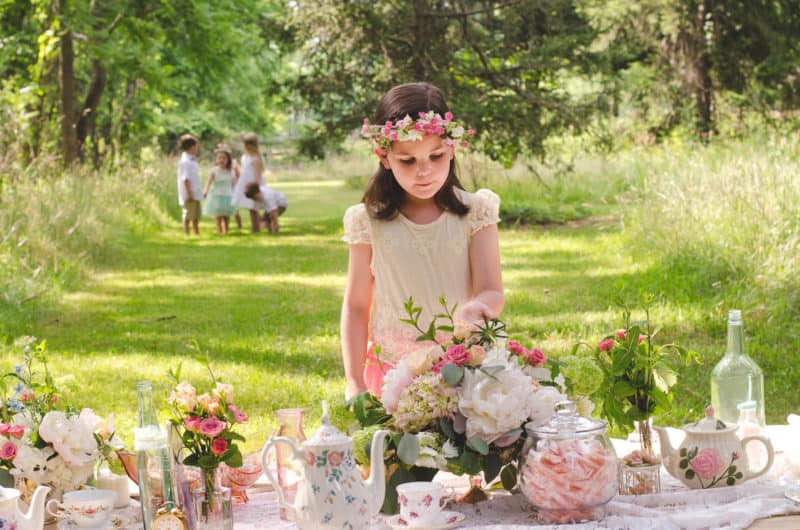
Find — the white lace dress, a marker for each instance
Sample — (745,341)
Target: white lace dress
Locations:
(422,261)
(247,175)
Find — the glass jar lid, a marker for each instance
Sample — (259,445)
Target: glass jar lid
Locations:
(566,423)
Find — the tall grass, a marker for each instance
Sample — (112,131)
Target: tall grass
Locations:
(55,225)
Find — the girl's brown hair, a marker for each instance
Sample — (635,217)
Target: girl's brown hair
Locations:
(250,140)
(222,148)
(384,196)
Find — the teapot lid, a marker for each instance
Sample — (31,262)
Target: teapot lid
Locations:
(710,424)
(327,434)
(567,423)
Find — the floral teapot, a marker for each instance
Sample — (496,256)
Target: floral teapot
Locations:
(12,518)
(331,493)
(711,455)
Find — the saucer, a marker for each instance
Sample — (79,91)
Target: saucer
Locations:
(792,493)
(117,522)
(448,520)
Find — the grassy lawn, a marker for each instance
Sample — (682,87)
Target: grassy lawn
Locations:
(266,310)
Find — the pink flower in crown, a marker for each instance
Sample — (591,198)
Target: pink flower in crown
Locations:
(515,347)
(448,116)
(707,463)
(8,451)
(535,357)
(16,431)
(238,416)
(219,446)
(471,133)
(605,345)
(192,423)
(211,427)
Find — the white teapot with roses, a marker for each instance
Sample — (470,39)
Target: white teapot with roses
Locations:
(711,455)
(14,518)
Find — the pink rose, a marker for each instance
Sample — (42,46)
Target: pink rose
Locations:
(535,357)
(476,355)
(707,463)
(219,446)
(8,451)
(4,428)
(238,415)
(192,423)
(515,347)
(642,338)
(606,345)
(211,427)
(335,458)
(457,354)
(16,431)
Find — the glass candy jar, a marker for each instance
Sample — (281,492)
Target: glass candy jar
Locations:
(568,467)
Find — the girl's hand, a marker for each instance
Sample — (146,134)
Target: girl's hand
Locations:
(474,312)
(354,388)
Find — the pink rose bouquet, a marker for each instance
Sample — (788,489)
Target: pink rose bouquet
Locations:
(205,420)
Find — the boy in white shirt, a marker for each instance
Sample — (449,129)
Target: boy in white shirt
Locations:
(272,201)
(190,189)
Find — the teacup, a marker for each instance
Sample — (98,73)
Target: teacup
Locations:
(84,508)
(420,503)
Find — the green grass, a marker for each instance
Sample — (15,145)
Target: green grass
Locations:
(266,308)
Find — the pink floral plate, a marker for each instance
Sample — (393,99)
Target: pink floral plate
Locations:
(117,522)
(448,520)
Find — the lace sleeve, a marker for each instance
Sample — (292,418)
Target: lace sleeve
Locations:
(484,210)
(356,226)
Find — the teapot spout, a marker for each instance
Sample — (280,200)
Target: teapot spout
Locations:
(376,483)
(34,519)
(667,451)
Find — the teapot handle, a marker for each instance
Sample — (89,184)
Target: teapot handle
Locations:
(770,453)
(295,453)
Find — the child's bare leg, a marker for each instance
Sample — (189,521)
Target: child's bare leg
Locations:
(196,227)
(254,221)
(186,226)
(218,223)
(238,220)
(225,221)
(274,226)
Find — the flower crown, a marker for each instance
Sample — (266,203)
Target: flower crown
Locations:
(407,129)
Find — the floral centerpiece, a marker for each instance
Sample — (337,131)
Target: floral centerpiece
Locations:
(43,440)
(206,422)
(459,405)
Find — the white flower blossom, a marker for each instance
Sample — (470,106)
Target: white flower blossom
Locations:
(394,382)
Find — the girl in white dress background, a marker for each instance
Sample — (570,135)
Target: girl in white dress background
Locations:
(252,170)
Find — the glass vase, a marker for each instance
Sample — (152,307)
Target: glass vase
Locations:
(639,479)
(287,470)
(212,501)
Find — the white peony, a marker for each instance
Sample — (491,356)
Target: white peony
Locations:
(30,463)
(496,404)
(72,438)
(498,356)
(545,399)
(394,382)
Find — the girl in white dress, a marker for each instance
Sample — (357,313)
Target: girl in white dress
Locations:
(417,233)
(252,170)
(220,184)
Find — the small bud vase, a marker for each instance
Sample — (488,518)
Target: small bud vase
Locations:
(213,503)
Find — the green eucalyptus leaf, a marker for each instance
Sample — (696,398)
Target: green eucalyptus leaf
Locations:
(408,448)
(478,445)
(452,374)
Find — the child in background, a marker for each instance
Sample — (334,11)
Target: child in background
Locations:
(189,186)
(220,183)
(237,170)
(272,201)
(252,171)
(416,233)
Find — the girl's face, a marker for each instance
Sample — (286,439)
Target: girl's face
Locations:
(221,160)
(420,167)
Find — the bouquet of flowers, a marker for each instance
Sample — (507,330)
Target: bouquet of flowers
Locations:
(459,405)
(205,422)
(42,440)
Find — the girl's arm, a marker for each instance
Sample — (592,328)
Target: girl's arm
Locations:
(208,184)
(259,171)
(487,280)
(355,317)
(237,171)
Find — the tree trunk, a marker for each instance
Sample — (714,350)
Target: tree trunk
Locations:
(67,85)
(90,104)
(421,38)
(704,91)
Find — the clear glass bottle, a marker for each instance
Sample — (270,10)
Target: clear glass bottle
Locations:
(737,382)
(286,468)
(150,442)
